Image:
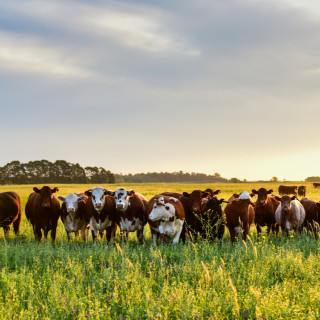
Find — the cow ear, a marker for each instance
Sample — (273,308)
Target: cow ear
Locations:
(221,200)
(105,192)
(61,198)
(217,192)
(186,194)
(111,193)
(81,198)
(270,191)
(225,201)
(293,198)
(88,192)
(277,198)
(318,204)
(54,190)
(130,192)
(205,194)
(254,191)
(251,203)
(35,189)
(252,195)
(235,195)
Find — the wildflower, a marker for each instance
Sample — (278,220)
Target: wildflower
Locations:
(86,316)
(111,297)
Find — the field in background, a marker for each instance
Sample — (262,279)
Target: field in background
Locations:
(269,277)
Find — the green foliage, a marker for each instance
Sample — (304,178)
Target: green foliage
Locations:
(268,277)
(312,179)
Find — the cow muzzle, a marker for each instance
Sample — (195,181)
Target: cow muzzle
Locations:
(46,205)
(119,206)
(70,210)
(98,205)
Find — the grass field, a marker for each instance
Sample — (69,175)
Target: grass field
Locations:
(266,278)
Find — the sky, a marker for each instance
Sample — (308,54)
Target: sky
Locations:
(227,86)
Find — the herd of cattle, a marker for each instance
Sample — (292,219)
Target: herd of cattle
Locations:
(169,215)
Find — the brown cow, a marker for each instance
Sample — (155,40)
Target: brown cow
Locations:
(290,214)
(131,212)
(169,214)
(265,208)
(316,184)
(312,210)
(239,215)
(43,210)
(10,211)
(73,214)
(302,191)
(101,213)
(288,190)
(193,207)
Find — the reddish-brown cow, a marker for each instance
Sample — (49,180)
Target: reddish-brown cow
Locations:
(312,210)
(131,212)
(10,211)
(239,215)
(265,208)
(43,210)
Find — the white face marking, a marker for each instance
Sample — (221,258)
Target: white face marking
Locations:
(173,199)
(162,210)
(244,195)
(122,199)
(98,199)
(71,201)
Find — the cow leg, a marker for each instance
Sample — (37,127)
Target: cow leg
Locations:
(154,238)
(16,224)
(37,233)
(221,231)
(83,234)
(69,235)
(177,236)
(285,231)
(232,235)
(101,234)
(258,229)
(53,233)
(183,233)
(140,235)
(109,233)
(46,231)
(94,235)
(6,230)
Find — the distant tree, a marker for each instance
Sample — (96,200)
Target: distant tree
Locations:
(312,179)
(274,179)
(235,180)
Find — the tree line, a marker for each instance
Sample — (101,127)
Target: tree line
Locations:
(60,171)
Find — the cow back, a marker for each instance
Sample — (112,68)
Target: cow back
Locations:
(10,208)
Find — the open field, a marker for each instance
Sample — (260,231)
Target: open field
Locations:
(269,277)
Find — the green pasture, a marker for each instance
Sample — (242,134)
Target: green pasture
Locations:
(266,278)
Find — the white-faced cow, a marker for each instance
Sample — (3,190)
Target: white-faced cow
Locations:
(168,213)
(290,214)
(131,212)
(101,213)
(73,214)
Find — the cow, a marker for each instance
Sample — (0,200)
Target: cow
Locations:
(312,210)
(265,208)
(73,214)
(213,221)
(131,212)
(193,207)
(10,212)
(239,215)
(316,184)
(101,213)
(288,190)
(302,191)
(211,194)
(168,213)
(290,214)
(43,211)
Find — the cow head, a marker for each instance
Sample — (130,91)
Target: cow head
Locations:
(211,192)
(97,196)
(285,203)
(244,195)
(196,199)
(122,198)
(214,204)
(71,201)
(262,195)
(46,194)
(162,210)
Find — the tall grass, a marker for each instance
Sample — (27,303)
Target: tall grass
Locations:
(267,277)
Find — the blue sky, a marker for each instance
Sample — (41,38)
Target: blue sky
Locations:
(136,86)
